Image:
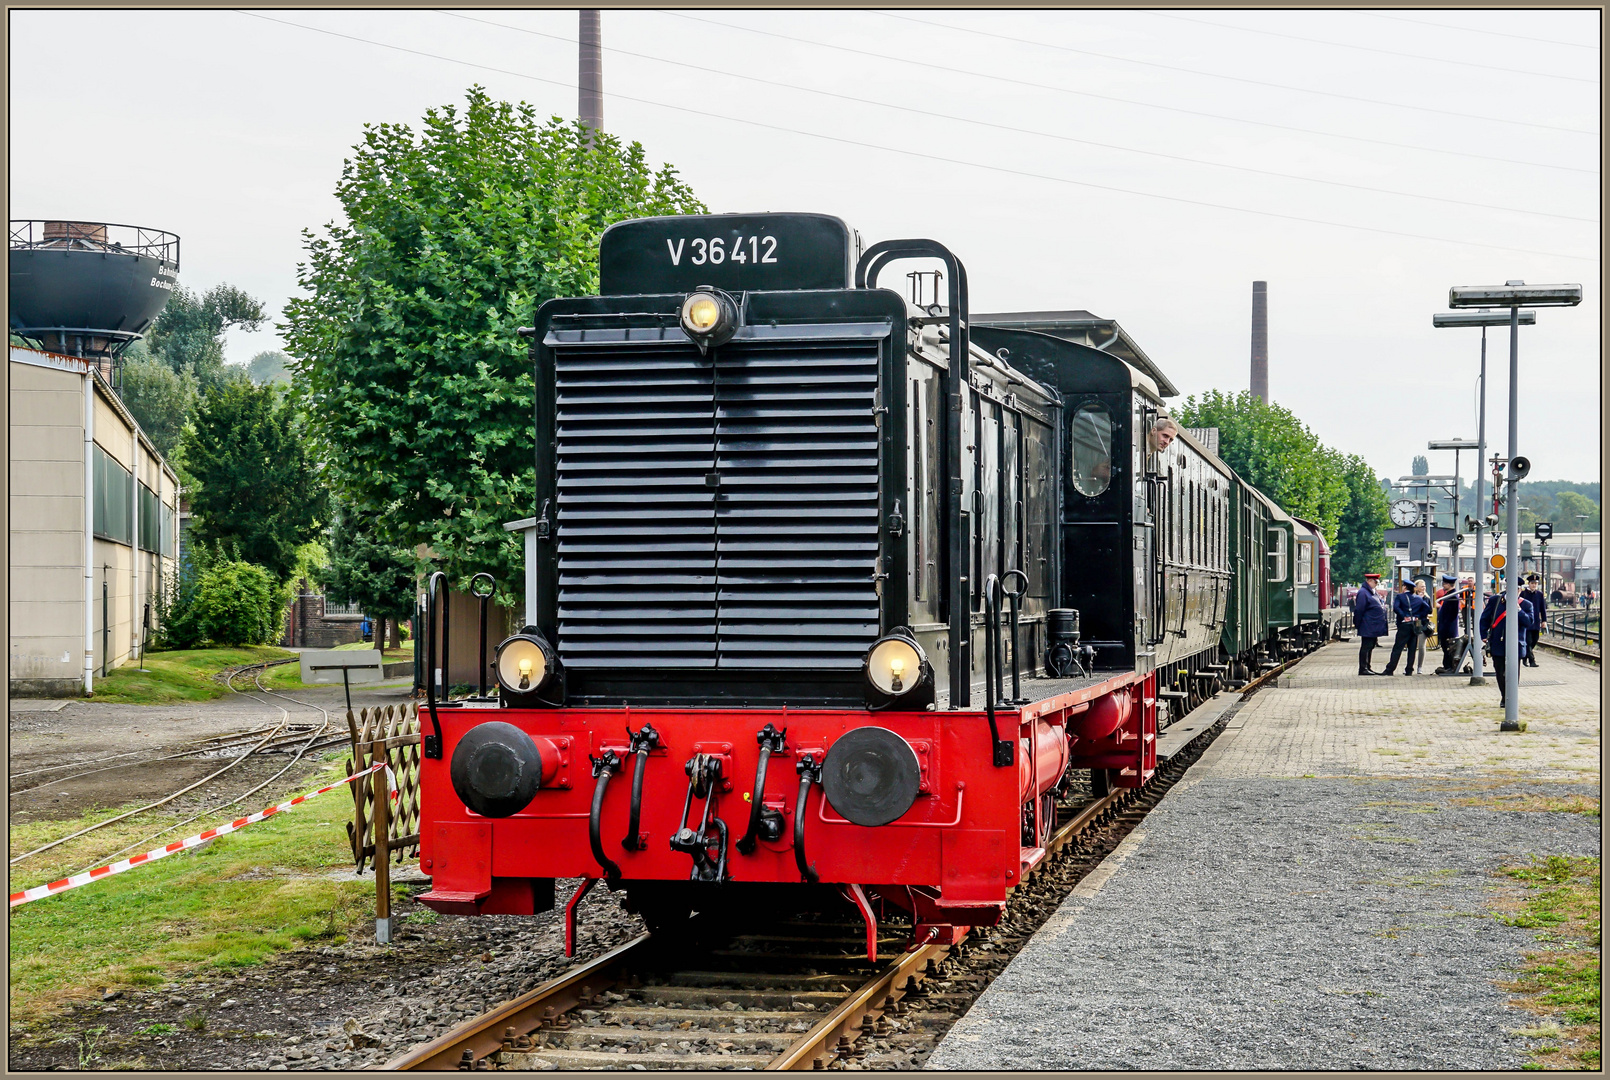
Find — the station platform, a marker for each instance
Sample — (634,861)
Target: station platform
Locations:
(1318,891)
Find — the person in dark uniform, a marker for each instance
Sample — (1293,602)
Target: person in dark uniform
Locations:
(1494,626)
(1448,635)
(1369,620)
(1533,594)
(1408,613)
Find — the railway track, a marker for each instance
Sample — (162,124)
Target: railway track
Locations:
(1590,655)
(796,993)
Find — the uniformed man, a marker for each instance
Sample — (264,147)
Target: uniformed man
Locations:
(1448,635)
(1533,594)
(1408,617)
(1494,626)
(1369,621)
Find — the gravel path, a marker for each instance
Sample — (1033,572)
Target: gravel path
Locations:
(1266,924)
(1283,908)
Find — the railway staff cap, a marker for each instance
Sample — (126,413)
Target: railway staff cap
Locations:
(1449,578)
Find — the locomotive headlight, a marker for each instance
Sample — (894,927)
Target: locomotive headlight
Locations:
(709,317)
(523,663)
(896,665)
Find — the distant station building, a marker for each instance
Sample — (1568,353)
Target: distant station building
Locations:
(93,505)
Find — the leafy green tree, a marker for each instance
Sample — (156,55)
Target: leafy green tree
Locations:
(160,398)
(1570,504)
(1359,545)
(269,367)
(257,487)
(1276,453)
(188,335)
(1420,466)
(379,577)
(417,387)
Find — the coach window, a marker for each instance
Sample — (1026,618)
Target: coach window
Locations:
(1091,443)
(1305,562)
(1277,554)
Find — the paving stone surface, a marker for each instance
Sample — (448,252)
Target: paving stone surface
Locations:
(1307,898)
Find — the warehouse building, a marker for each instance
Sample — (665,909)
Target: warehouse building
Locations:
(94,513)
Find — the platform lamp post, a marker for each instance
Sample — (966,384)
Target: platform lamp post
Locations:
(1513,295)
(1483,319)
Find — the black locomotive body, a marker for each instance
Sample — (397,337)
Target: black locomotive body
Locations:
(793,526)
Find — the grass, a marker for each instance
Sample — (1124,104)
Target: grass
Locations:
(1561,983)
(180,675)
(390,656)
(184,913)
(1534,803)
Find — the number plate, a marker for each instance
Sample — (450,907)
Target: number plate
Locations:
(737,252)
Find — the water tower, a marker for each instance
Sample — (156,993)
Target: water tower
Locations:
(89,289)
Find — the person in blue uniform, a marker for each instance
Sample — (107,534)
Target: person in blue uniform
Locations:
(1495,625)
(1409,609)
(1448,635)
(1369,621)
(1533,594)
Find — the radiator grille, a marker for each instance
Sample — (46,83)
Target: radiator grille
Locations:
(797,520)
(717,512)
(636,531)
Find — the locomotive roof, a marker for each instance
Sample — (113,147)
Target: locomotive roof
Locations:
(1083,328)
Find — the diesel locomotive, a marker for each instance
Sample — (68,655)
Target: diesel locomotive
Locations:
(832,591)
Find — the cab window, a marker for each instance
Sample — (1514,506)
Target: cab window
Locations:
(1090,444)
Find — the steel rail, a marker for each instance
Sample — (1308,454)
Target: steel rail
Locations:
(484,1035)
(1571,650)
(893,983)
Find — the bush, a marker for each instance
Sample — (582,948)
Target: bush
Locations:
(237,603)
(221,600)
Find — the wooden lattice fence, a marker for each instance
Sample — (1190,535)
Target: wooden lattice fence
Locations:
(384,830)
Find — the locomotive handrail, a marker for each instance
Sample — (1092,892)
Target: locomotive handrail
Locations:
(480,678)
(433,742)
(1002,748)
(956,379)
(961,793)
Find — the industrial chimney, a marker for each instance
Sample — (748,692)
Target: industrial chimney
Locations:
(1260,340)
(590,71)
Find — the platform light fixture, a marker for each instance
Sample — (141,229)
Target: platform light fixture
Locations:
(1513,295)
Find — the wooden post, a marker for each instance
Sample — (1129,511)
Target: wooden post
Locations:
(382,833)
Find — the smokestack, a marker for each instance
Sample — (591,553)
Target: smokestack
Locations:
(1260,340)
(590,72)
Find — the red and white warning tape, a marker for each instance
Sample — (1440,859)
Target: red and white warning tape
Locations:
(40,891)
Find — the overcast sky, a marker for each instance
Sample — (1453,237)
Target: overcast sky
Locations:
(1146,166)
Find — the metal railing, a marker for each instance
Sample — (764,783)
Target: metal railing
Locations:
(95,236)
(1579,626)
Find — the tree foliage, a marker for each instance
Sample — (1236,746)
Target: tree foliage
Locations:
(160,398)
(418,388)
(1568,505)
(271,366)
(1277,453)
(379,577)
(188,334)
(257,487)
(1420,466)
